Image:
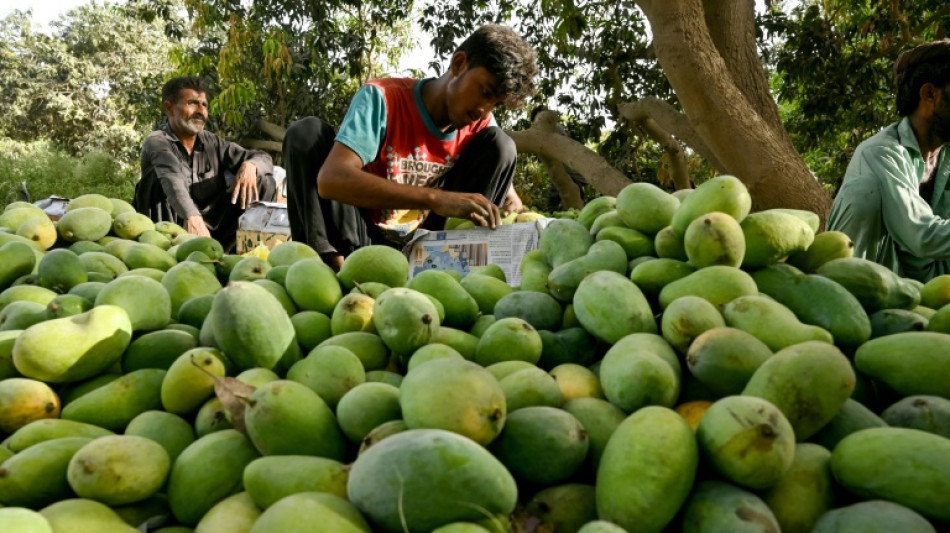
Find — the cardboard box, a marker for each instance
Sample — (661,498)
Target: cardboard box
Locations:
(262,223)
(54,206)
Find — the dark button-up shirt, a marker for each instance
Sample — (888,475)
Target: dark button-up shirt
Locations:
(176,185)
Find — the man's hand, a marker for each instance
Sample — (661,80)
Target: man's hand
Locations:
(468,206)
(512,203)
(244,189)
(196,225)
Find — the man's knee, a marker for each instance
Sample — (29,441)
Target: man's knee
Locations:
(499,143)
(304,135)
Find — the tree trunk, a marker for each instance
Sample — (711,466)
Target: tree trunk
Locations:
(569,192)
(744,142)
(542,139)
(260,144)
(274,131)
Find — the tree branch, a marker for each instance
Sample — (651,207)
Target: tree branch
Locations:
(672,148)
(274,131)
(669,119)
(261,144)
(542,139)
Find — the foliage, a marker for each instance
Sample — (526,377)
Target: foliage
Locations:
(49,171)
(280,60)
(88,86)
(833,70)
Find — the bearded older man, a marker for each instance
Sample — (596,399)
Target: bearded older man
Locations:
(195,178)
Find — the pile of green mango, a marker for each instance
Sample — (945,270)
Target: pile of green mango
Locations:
(662,363)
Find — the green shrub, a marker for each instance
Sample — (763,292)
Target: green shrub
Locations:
(49,171)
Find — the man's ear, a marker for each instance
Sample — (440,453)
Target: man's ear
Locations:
(928,92)
(458,64)
(167,106)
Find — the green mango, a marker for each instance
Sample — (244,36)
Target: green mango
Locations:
(827,245)
(646,470)
(714,239)
(206,472)
(669,245)
(771,322)
(288,418)
(84,247)
(73,348)
(313,286)
(206,245)
(461,309)
(805,492)
(119,469)
(453,395)
(268,479)
(82,515)
(569,345)
(747,441)
(646,207)
(486,290)
(249,269)
(508,339)
(541,445)
(723,193)
(171,431)
(633,378)
(288,252)
(853,416)
(564,507)
(104,263)
(564,240)
(818,301)
(911,363)
(453,479)
(534,270)
(366,406)
(140,255)
(130,225)
(634,243)
(154,238)
(594,208)
(773,235)
(311,511)
(113,405)
(379,263)
(609,306)
(146,301)
(16,259)
(311,328)
(491,270)
(32,293)
(926,413)
(873,516)
(463,342)
(718,506)
(49,429)
(188,280)
(236,514)
(157,349)
(189,381)
(601,256)
(809,382)
(84,224)
(600,419)
(61,270)
(90,200)
(686,318)
(369,347)
(405,319)
(910,467)
(724,359)
(330,371)
(277,291)
(652,276)
(169,229)
(20,315)
(23,521)
(890,321)
(251,326)
(718,284)
(36,477)
(874,285)
(530,387)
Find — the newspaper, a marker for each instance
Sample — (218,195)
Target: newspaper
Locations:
(461,250)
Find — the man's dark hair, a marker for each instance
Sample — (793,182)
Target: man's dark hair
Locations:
(927,63)
(503,53)
(174,86)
